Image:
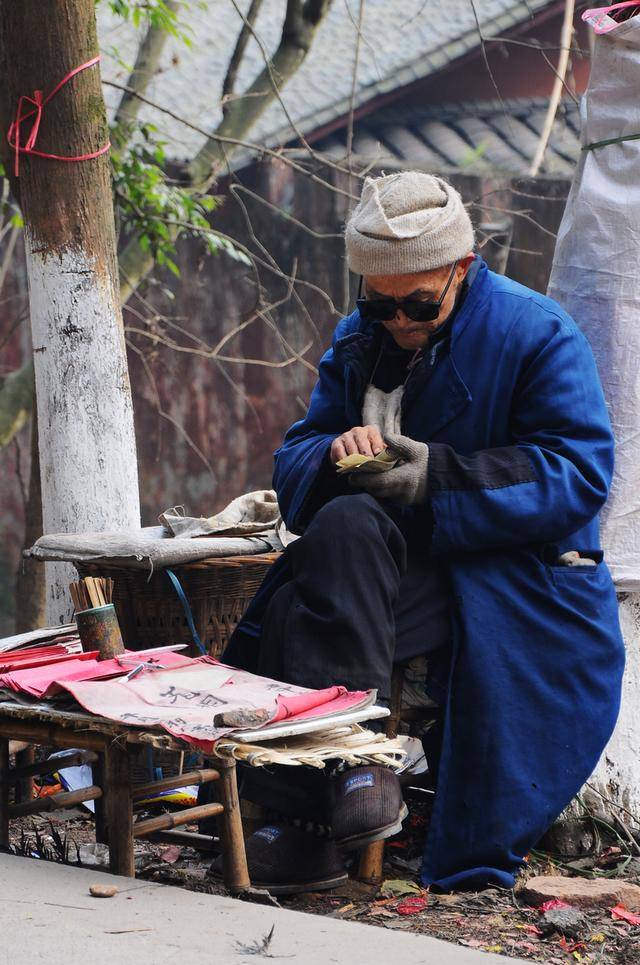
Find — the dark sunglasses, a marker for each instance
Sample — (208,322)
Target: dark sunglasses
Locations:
(417,309)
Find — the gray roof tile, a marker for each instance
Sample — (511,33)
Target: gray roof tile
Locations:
(477,137)
(401,43)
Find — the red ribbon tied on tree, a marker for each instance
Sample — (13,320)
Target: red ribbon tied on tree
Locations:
(39,103)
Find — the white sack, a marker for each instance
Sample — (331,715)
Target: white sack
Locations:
(596,273)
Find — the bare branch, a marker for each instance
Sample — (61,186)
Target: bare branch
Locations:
(558,84)
(144,69)
(229,82)
(298,31)
(286,215)
(167,415)
(354,81)
(238,360)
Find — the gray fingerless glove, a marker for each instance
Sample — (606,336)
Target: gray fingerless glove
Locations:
(406,483)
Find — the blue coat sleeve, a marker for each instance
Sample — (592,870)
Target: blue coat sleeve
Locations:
(303,477)
(554,478)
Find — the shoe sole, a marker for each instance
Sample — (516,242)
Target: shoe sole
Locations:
(362,840)
(325,884)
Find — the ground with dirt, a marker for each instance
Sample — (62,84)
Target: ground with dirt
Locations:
(493,920)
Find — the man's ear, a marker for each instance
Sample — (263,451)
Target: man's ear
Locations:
(464,264)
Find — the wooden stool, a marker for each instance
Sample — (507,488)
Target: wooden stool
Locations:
(115,797)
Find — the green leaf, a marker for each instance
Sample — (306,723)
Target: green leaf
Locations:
(397,887)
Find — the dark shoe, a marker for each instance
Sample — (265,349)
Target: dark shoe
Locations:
(286,860)
(368,806)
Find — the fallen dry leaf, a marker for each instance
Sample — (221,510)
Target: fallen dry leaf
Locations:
(398,887)
(345,908)
(621,913)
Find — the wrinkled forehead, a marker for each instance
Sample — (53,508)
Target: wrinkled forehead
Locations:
(400,286)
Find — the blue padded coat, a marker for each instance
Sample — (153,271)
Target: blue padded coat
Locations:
(520,462)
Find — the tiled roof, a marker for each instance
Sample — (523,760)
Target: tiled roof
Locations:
(401,41)
(473,137)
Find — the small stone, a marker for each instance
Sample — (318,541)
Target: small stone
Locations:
(103,891)
(581,892)
(567,921)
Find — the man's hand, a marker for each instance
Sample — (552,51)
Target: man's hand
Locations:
(365,440)
(406,483)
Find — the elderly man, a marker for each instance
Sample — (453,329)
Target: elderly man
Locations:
(479,548)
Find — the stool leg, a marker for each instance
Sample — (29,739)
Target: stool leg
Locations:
(372,857)
(24,788)
(100,810)
(234,858)
(117,792)
(370,866)
(4,792)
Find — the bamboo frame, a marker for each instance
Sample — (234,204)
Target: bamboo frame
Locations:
(174,819)
(186,839)
(55,802)
(196,777)
(51,765)
(113,792)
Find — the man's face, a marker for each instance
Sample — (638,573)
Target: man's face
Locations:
(425,285)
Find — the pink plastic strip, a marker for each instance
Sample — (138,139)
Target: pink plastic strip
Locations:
(599,19)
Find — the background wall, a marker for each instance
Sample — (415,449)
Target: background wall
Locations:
(206,430)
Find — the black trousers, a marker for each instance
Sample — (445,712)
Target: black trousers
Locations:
(363,594)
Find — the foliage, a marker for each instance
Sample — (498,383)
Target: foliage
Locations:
(151,204)
(157,13)
(147,201)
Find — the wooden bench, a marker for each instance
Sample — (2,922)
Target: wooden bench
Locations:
(107,746)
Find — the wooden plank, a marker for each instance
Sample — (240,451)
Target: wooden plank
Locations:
(79,723)
(40,732)
(117,792)
(165,821)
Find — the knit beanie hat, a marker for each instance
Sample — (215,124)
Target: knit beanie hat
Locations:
(407,222)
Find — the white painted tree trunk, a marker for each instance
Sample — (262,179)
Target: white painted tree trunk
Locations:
(616,776)
(85,412)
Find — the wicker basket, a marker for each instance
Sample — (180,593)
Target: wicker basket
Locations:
(218,591)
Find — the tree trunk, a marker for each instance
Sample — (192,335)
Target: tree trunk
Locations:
(85,414)
(30,583)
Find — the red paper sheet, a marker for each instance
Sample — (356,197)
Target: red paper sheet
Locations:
(184,700)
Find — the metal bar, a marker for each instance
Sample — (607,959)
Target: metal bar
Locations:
(165,821)
(171,783)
